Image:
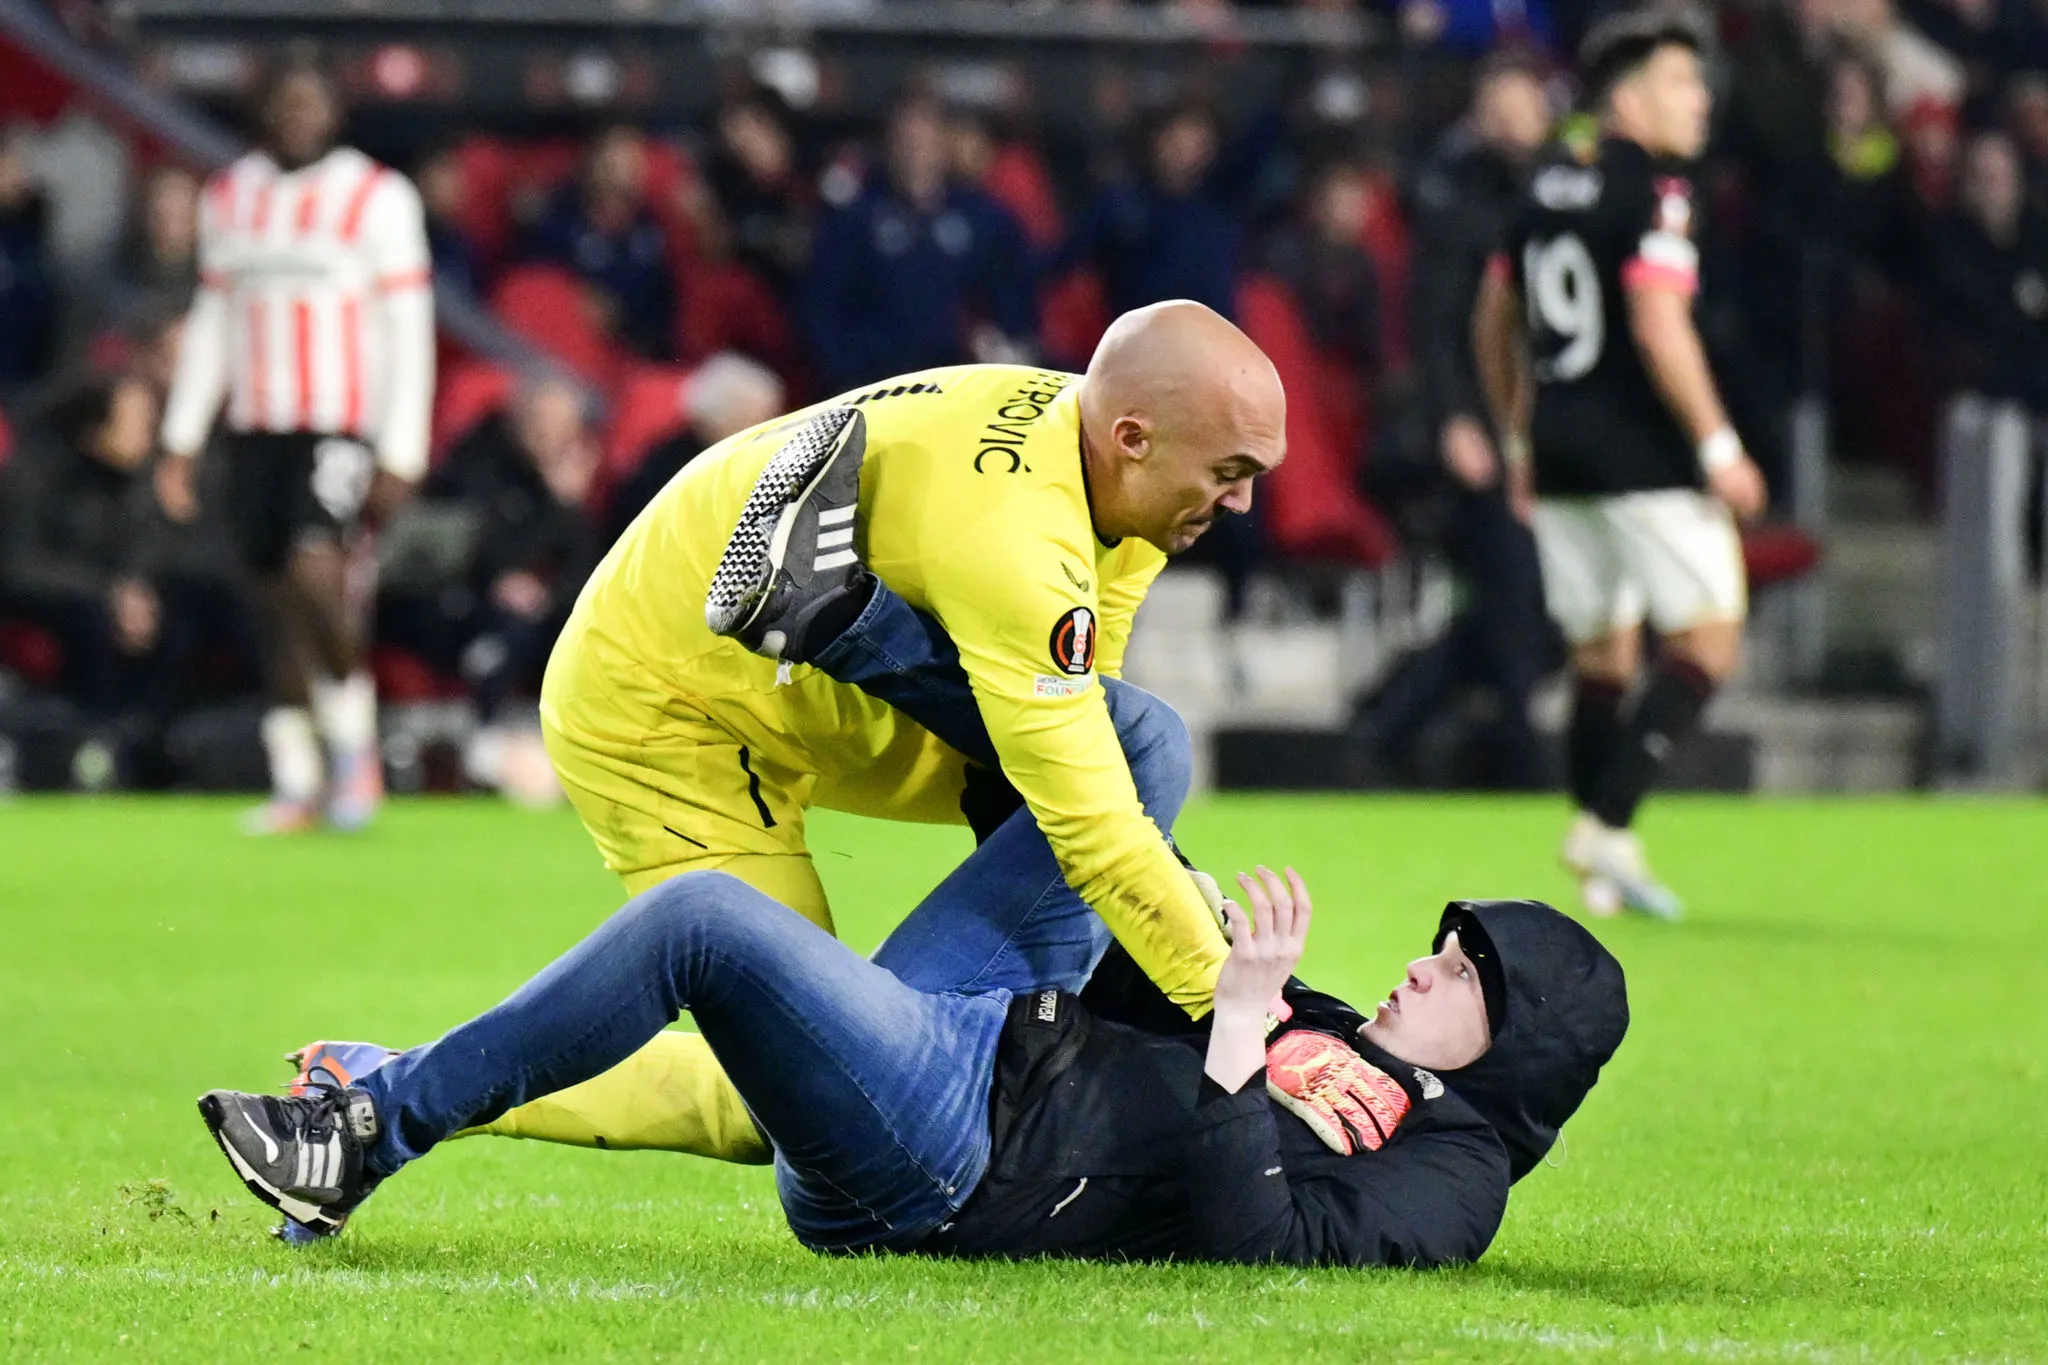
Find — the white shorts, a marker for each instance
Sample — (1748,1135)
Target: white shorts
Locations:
(1671,555)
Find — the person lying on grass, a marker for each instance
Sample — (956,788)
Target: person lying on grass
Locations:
(1007,1116)
(953,1095)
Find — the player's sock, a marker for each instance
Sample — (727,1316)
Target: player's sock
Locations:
(1593,737)
(347,712)
(294,752)
(1666,716)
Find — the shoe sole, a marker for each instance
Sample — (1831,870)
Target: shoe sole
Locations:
(313,1216)
(755,553)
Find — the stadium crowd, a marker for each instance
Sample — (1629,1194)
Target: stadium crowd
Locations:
(1876,200)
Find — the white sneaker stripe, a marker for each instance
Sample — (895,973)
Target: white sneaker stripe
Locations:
(305,1167)
(843,536)
(838,559)
(832,516)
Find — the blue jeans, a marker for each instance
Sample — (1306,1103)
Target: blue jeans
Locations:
(871,1078)
(897,654)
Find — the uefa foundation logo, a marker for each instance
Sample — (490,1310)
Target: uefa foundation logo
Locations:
(1073,642)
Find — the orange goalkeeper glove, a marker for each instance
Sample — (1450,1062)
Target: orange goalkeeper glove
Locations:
(1345,1100)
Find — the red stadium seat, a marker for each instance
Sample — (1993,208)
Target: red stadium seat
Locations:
(1777,554)
(1386,240)
(648,408)
(404,677)
(726,307)
(1313,507)
(488,168)
(469,393)
(32,652)
(544,164)
(501,180)
(1345,395)
(1018,180)
(1072,316)
(550,307)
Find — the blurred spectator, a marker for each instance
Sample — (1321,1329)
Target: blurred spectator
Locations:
(160,269)
(1969,30)
(1991,279)
(153,336)
(1865,238)
(2026,118)
(27,300)
(1473,27)
(525,477)
(1462,202)
(1500,644)
(1010,170)
(763,202)
(86,555)
(1176,232)
(457,260)
(1332,278)
(915,271)
(1932,136)
(601,227)
(1915,68)
(1866,198)
(727,393)
(81,166)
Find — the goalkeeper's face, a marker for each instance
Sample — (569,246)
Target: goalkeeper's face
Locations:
(1437,1016)
(1179,413)
(1202,459)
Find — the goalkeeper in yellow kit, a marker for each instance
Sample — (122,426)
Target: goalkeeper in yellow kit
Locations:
(1027,511)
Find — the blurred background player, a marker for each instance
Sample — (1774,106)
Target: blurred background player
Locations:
(314,322)
(1445,480)
(1617,442)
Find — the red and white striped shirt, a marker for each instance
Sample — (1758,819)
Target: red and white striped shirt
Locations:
(314,311)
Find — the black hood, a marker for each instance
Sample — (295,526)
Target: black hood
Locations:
(1563,1011)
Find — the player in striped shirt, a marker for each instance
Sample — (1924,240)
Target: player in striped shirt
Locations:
(311,338)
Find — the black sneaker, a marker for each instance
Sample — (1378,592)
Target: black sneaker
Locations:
(791,559)
(302,1155)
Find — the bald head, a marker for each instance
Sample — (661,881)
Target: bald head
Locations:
(1179,413)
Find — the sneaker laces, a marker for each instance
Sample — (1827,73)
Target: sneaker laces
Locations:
(336,1108)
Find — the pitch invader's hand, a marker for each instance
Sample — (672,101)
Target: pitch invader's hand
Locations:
(1266,941)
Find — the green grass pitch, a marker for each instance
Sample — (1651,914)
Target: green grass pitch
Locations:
(1825,1139)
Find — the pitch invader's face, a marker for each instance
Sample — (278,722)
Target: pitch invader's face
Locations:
(1436,1017)
(1676,102)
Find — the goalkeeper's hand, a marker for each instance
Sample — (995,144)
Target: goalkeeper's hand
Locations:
(1345,1100)
(1213,897)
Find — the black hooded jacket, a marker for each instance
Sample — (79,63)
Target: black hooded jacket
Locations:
(1565,1011)
(1109,1142)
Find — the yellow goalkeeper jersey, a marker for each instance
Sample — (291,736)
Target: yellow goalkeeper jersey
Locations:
(974,508)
